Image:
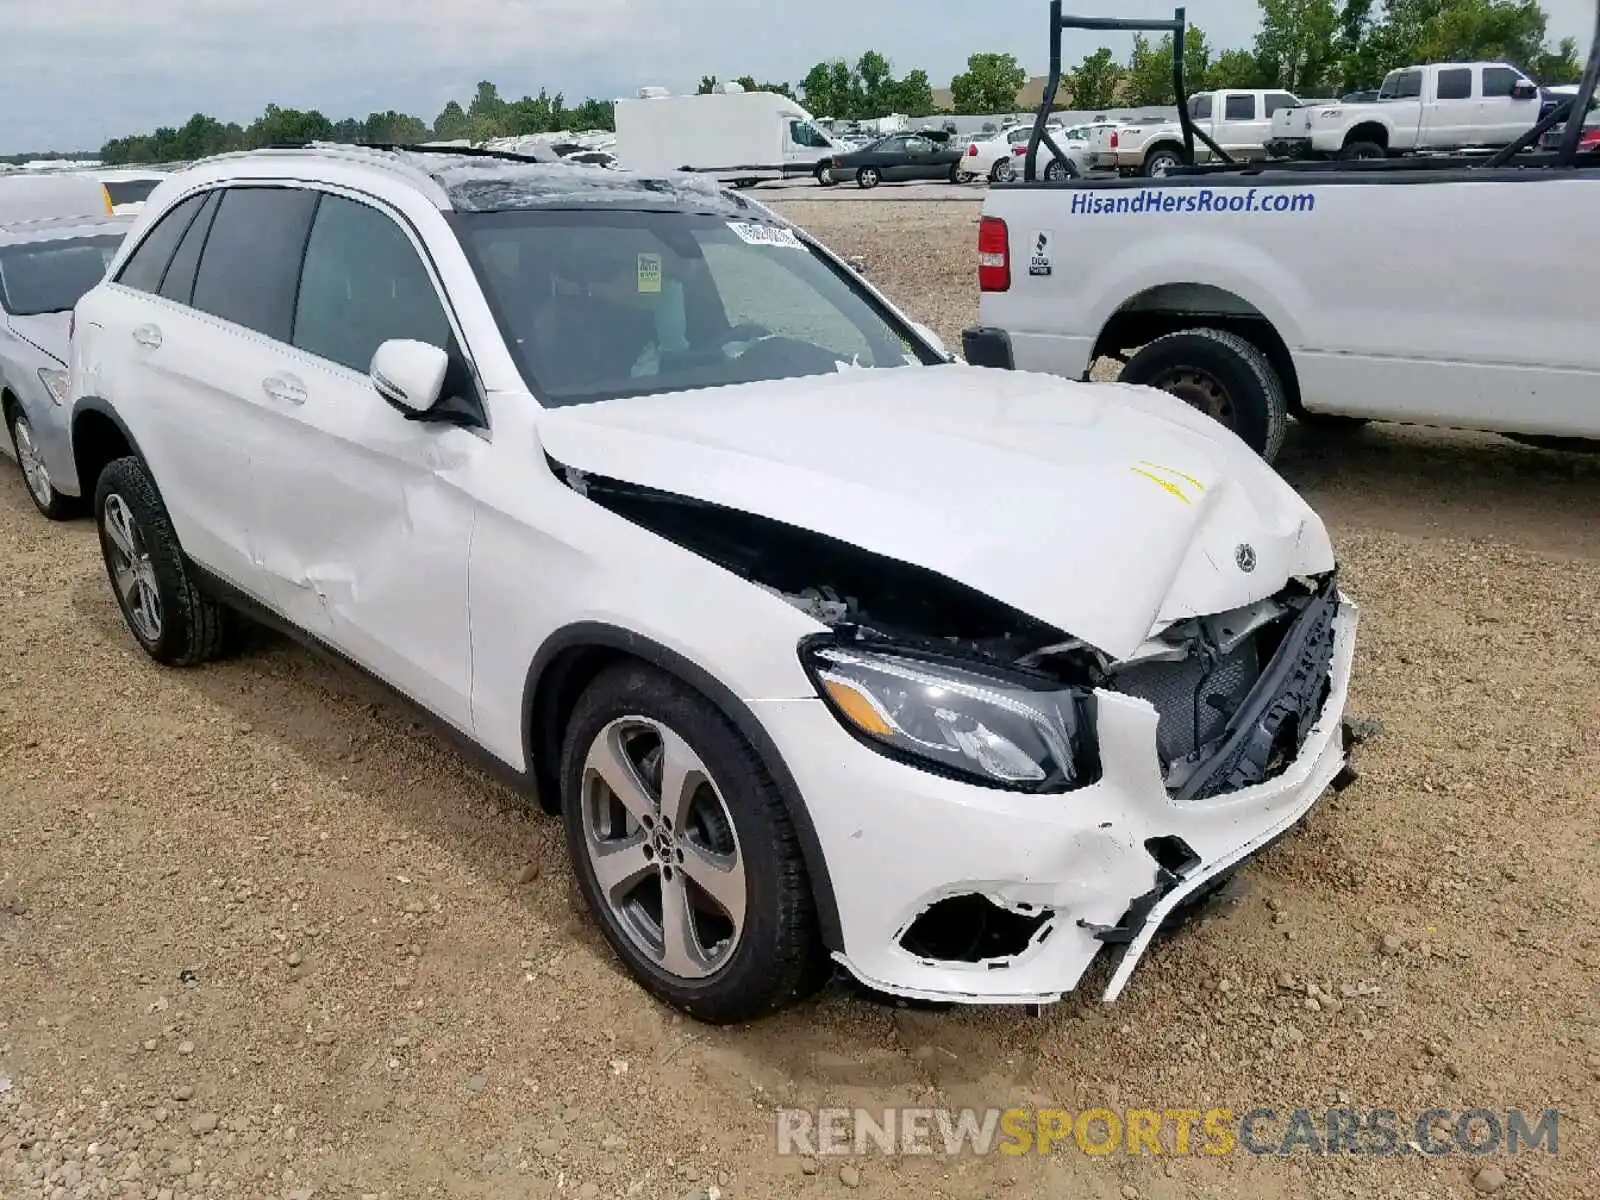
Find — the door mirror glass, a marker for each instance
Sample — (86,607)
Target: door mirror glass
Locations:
(1523,90)
(408,374)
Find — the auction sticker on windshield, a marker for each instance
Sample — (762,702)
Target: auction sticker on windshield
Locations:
(765,235)
(649,273)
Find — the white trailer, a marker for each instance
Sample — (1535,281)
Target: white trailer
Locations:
(738,137)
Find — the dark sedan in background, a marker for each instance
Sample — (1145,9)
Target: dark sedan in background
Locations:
(901,156)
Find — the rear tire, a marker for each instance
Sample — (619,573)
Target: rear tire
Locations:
(734,815)
(1160,163)
(1363,150)
(1003,171)
(173,621)
(1056,170)
(1222,375)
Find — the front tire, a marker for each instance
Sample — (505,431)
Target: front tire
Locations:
(698,885)
(169,616)
(1223,375)
(868,177)
(1003,171)
(35,475)
(1057,170)
(824,179)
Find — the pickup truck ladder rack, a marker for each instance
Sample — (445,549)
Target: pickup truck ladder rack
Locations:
(1058,23)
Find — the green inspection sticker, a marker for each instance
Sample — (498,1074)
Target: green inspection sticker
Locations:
(650,273)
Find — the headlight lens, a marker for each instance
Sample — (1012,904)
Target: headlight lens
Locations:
(55,382)
(955,720)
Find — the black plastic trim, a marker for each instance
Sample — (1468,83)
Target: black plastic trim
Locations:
(986,346)
(599,635)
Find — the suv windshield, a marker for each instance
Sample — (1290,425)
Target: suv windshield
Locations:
(42,277)
(596,304)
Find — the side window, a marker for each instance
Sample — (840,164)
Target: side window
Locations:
(178,283)
(918,145)
(1408,86)
(1019,137)
(1498,81)
(1240,108)
(148,263)
(1200,108)
(252,257)
(1456,83)
(755,289)
(362,284)
(1277,100)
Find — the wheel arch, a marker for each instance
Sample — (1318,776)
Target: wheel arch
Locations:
(98,437)
(1169,307)
(1162,144)
(1367,131)
(574,655)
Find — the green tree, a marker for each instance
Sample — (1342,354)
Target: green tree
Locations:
(1561,65)
(1236,69)
(451,124)
(874,83)
(391,127)
(1149,74)
(913,95)
(749,84)
(1093,84)
(989,85)
(1465,30)
(1361,53)
(1295,48)
(830,90)
(595,114)
(287,126)
(708,84)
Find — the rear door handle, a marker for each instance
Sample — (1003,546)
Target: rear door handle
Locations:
(148,336)
(284,388)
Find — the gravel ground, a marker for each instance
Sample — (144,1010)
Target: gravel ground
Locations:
(262,936)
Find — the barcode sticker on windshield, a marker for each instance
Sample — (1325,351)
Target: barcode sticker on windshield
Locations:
(649,273)
(765,235)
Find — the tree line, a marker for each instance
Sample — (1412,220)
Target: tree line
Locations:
(1314,48)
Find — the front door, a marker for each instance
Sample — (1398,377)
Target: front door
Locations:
(365,526)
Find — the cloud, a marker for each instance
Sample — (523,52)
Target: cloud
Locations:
(89,70)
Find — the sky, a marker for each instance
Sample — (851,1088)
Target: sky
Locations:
(79,72)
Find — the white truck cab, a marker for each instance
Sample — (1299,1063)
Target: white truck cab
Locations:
(1440,106)
(1238,120)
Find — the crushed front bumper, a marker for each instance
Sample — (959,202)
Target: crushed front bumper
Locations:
(1080,871)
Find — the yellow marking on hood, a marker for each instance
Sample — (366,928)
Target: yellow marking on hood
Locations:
(1164,484)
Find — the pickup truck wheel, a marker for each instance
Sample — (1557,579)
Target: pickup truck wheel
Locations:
(1224,376)
(1363,150)
(868,177)
(1161,163)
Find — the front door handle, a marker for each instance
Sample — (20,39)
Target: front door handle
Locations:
(148,336)
(284,388)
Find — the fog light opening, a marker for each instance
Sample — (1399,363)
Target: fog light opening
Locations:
(974,929)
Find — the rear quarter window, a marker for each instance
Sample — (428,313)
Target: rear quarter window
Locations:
(251,263)
(144,268)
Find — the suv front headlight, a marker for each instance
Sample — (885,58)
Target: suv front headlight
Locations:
(1001,729)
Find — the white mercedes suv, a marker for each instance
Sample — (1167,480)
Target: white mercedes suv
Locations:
(828,648)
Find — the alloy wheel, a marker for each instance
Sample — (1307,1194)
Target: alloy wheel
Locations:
(132,573)
(34,472)
(663,848)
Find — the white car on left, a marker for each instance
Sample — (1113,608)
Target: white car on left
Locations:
(45,266)
(998,158)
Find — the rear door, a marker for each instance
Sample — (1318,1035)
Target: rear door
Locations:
(365,526)
(1243,125)
(1452,115)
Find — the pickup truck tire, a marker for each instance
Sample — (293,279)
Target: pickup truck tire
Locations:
(1363,150)
(1160,163)
(868,177)
(1225,376)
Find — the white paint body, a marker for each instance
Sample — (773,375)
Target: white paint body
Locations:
(1425,116)
(731,136)
(1239,120)
(1403,301)
(372,533)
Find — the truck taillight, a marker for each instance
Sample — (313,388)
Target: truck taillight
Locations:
(1113,139)
(994,255)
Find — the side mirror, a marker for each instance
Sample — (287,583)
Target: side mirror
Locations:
(929,336)
(857,264)
(1523,90)
(409,374)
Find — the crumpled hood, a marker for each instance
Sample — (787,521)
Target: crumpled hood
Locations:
(1102,509)
(46,332)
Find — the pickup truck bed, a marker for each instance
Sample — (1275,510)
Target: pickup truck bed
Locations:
(1408,290)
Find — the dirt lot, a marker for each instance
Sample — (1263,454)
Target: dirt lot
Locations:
(261,936)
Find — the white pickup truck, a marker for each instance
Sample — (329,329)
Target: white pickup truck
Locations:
(1405,290)
(1237,120)
(1442,106)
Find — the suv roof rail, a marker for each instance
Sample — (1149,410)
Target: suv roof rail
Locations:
(376,156)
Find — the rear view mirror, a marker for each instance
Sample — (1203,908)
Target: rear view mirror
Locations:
(1523,90)
(409,374)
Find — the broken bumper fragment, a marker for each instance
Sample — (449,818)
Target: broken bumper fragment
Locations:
(953,892)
